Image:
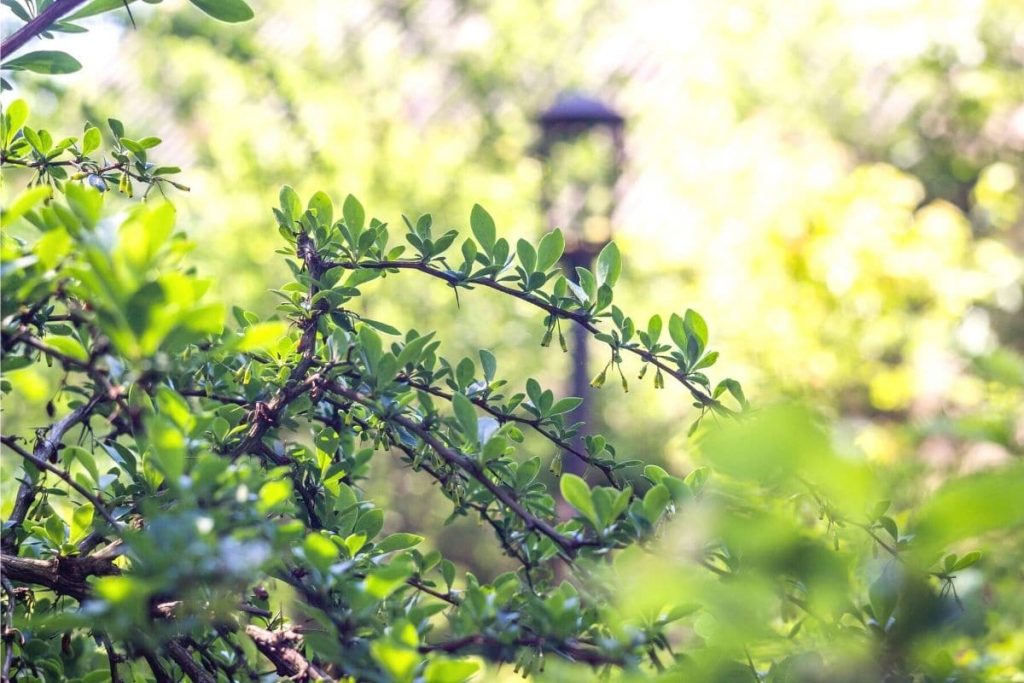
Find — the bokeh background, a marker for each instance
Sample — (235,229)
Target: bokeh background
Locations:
(837,185)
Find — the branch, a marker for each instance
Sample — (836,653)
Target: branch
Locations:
(8,631)
(159,672)
(570,649)
(96,374)
(280,648)
(456,459)
(582,319)
(533,423)
(63,575)
(61,474)
(112,657)
(442,478)
(38,24)
(298,383)
(183,658)
(46,450)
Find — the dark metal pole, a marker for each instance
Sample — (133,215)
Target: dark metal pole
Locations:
(570,117)
(582,257)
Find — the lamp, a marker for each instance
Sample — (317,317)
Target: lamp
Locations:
(582,151)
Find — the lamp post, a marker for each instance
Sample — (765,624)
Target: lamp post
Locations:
(582,151)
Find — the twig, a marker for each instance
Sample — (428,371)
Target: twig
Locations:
(112,656)
(64,476)
(453,457)
(183,658)
(571,650)
(580,318)
(9,633)
(280,647)
(38,24)
(533,423)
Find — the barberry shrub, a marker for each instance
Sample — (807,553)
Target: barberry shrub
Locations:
(188,504)
(211,470)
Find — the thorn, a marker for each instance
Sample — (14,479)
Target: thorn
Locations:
(129,10)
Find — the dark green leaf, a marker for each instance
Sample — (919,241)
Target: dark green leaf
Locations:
(609,265)
(465,413)
(45,62)
(230,11)
(483,228)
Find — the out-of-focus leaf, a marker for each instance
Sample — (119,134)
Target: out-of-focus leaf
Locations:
(968,507)
(44,62)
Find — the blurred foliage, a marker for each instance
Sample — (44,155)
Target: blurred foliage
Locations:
(837,188)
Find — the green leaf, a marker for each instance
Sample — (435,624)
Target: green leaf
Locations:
(354,214)
(970,506)
(274,493)
(967,560)
(550,250)
(412,350)
(707,361)
(24,203)
(464,372)
(174,406)
(98,7)
(695,325)
(143,234)
(262,336)
(609,265)
(889,524)
(35,140)
(44,62)
(116,127)
(577,494)
(385,580)
(168,447)
(465,413)
(677,330)
(483,228)
(489,364)
(18,10)
(565,405)
(655,502)
(91,140)
(320,551)
(230,11)
(527,256)
(323,206)
(54,527)
(290,204)
(81,522)
(449,671)
(17,114)
(370,523)
(69,346)
(399,541)
(447,569)
(81,455)
(527,472)
(371,345)
(654,328)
